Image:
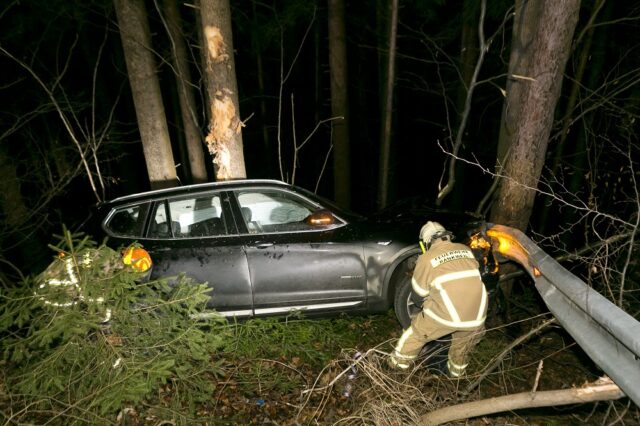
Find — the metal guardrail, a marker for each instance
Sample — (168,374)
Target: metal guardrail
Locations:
(607,334)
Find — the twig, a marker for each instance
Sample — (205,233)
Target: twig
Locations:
(484,47)
(498,358)
(342,373)
(633,232)
(538,373)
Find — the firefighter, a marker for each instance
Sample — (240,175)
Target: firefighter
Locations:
(447,278)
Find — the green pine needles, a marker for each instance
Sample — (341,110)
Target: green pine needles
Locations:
(91,341)
(89,338)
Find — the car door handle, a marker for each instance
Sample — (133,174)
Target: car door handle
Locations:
(263,245)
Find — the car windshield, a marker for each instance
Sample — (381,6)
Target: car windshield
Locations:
(341,212)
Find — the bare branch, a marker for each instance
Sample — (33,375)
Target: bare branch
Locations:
(62,115)
(497,360)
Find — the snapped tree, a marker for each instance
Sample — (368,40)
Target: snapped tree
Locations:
(225,127)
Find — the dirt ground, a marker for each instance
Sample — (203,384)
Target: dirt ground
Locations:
(364,391)
(380,396)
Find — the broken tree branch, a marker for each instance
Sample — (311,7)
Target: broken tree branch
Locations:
(602,390)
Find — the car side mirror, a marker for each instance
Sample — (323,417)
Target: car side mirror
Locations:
(320,218)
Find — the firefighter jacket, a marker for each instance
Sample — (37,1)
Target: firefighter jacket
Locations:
(448,277)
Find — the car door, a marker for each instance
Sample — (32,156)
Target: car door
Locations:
(295,265)
(195,235)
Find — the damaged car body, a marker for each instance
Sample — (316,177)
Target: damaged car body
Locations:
(268,248)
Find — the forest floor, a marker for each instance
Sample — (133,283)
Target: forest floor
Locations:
(300,371)
(289,391)
(380,396)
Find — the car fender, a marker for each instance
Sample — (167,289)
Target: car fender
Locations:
(381,282)
(400,258)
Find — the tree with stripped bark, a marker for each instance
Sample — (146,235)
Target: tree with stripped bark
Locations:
(224,139)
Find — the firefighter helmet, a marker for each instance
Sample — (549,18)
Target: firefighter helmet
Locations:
(432,230)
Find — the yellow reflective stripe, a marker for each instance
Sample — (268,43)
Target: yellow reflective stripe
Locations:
(455,276)
(461,324)
(397,354)
(402,365)
(71,272)
(407,333)
(423,292)
(457,366)
(483,303)
(451,309)
(456,370)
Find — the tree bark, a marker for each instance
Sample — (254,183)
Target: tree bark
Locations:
(469,54)
(387,108)
(338,71)
(468,51)
(258,48)
(589,68)
(225,129)
(542,35)
(147,99)
(604,391)
(186,98)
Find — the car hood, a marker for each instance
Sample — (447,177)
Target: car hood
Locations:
(412,213)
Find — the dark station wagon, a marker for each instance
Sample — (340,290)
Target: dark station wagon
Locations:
(267,247)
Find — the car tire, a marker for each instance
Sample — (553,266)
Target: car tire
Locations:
(404,304)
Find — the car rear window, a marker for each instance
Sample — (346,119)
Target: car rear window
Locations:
(127,221)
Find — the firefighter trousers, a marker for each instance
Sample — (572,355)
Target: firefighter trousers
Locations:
(424,329)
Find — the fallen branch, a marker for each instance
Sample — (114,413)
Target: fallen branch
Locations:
(602,390)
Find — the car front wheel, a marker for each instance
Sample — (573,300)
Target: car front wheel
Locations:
(404,305)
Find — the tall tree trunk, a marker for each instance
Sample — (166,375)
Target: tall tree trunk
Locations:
(542,35)
(468,50)
(469,55)
(185,93)
(225,129)
(386,116)
(266,142)
(339,103)
(147,99)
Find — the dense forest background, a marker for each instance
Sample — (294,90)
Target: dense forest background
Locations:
(65,91)
(471,92)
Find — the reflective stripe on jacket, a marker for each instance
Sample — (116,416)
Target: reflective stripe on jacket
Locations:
(449,274)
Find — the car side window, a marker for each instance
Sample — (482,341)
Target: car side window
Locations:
(127,221)
(196,216)
(161,225)
(265,211)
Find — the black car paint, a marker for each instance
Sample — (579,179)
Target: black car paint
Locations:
(261,274)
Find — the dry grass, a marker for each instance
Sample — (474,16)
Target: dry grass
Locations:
(388,397)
